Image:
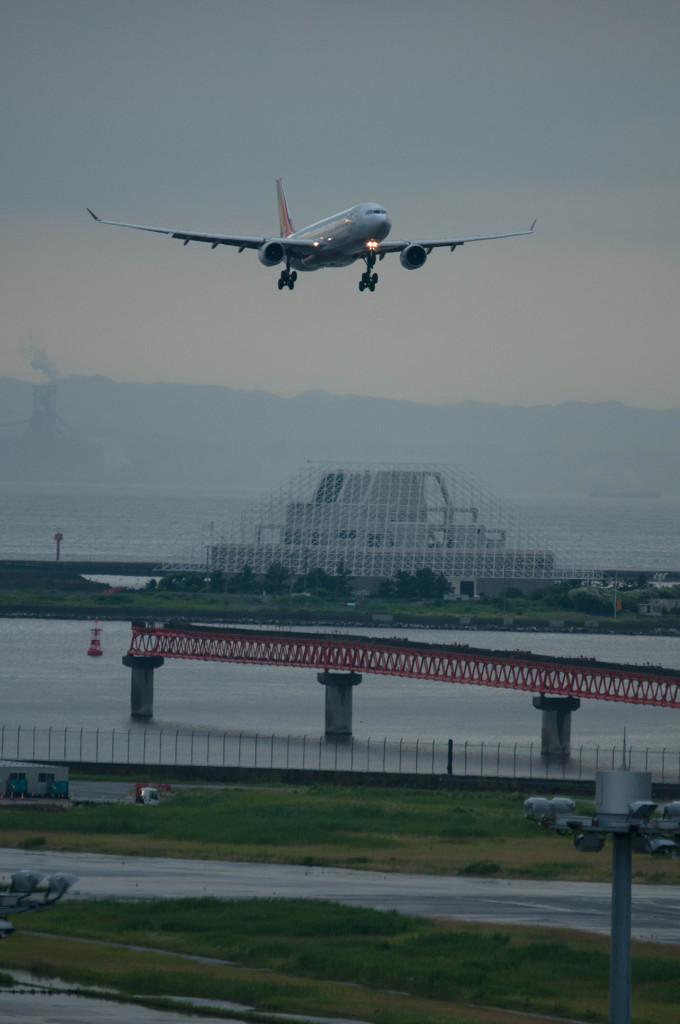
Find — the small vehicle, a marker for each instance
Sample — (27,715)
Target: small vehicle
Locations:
(149,792)
(148,795)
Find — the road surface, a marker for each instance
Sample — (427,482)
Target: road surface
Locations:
(581,905)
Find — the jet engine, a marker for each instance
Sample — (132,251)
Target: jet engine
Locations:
(271,253)
(413,256)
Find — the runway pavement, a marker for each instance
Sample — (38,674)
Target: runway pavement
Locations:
(581,905)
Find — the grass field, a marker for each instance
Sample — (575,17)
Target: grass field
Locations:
(312,957)
(437,832)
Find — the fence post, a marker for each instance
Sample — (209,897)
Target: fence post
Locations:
(207,749)
(65,731)
(2,743)
(498,762)
(33,758)
(531,760)
(176,743)
(319,753)
(368,754)
(481,759)
(449,758)
(663,765)
(580,762)
(224,748)
(128,747)
(465,758)
(384,751)
(257,736)
(417,745)
(18,741)
(514,762)
(240,737)
(96,746)
(80,757)
(304,743)
(597,757)
(144,749)
(336,753)
(351,755)
(433,742)
(401,740)
(271,753)
(113,744)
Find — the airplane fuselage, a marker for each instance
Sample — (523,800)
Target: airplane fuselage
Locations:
(343,238)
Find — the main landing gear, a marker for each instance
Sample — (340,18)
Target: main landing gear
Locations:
(368,279)
(287,279)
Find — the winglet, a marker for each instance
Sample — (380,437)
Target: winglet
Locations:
(533,225)
(94,215)
(285,222)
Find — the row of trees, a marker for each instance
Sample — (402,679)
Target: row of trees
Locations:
(424,585)
(278,579)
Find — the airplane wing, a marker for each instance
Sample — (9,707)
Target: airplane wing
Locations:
(435,243)
(241,242)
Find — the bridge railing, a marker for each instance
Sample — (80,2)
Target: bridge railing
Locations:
(219,749)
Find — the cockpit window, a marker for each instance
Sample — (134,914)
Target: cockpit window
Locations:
(376,211)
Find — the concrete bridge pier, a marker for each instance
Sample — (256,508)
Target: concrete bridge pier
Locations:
(141,683)
(556,724)
(339,700)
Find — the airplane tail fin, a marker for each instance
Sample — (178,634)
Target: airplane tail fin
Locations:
(285,222)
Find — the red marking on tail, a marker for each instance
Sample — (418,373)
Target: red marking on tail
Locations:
(285,222)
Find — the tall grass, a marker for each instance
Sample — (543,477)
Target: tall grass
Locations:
(561,973)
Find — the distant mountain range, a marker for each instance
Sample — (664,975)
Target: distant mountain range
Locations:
(92,428)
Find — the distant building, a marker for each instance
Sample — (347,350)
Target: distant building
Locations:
(372,521)
(658,605)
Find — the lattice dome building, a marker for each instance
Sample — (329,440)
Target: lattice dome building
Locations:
(372,520)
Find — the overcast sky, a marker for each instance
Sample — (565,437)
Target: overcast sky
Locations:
(460,116)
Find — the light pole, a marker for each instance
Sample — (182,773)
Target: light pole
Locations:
(623,809)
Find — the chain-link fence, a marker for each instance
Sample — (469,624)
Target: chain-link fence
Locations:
(219,749)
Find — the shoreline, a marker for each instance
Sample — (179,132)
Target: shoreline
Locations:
(466,623)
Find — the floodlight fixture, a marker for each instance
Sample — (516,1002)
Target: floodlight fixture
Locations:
(58,885)
(6,928)
(588,842)
(659,846)
(641,810)
(25,882)
(562,805)
(671,810)
(537,808)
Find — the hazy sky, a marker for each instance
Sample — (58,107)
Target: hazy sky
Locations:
(460,116)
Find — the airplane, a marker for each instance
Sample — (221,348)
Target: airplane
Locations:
(338,241)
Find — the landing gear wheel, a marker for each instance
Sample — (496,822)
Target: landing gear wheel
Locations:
(287,279)
(368,279)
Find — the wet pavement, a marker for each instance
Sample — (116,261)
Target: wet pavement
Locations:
(581,905)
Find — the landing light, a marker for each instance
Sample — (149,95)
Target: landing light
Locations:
(372,244)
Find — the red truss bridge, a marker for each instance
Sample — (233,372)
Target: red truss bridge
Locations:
(457,663)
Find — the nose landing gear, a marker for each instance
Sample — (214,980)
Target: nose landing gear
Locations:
(368,279)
